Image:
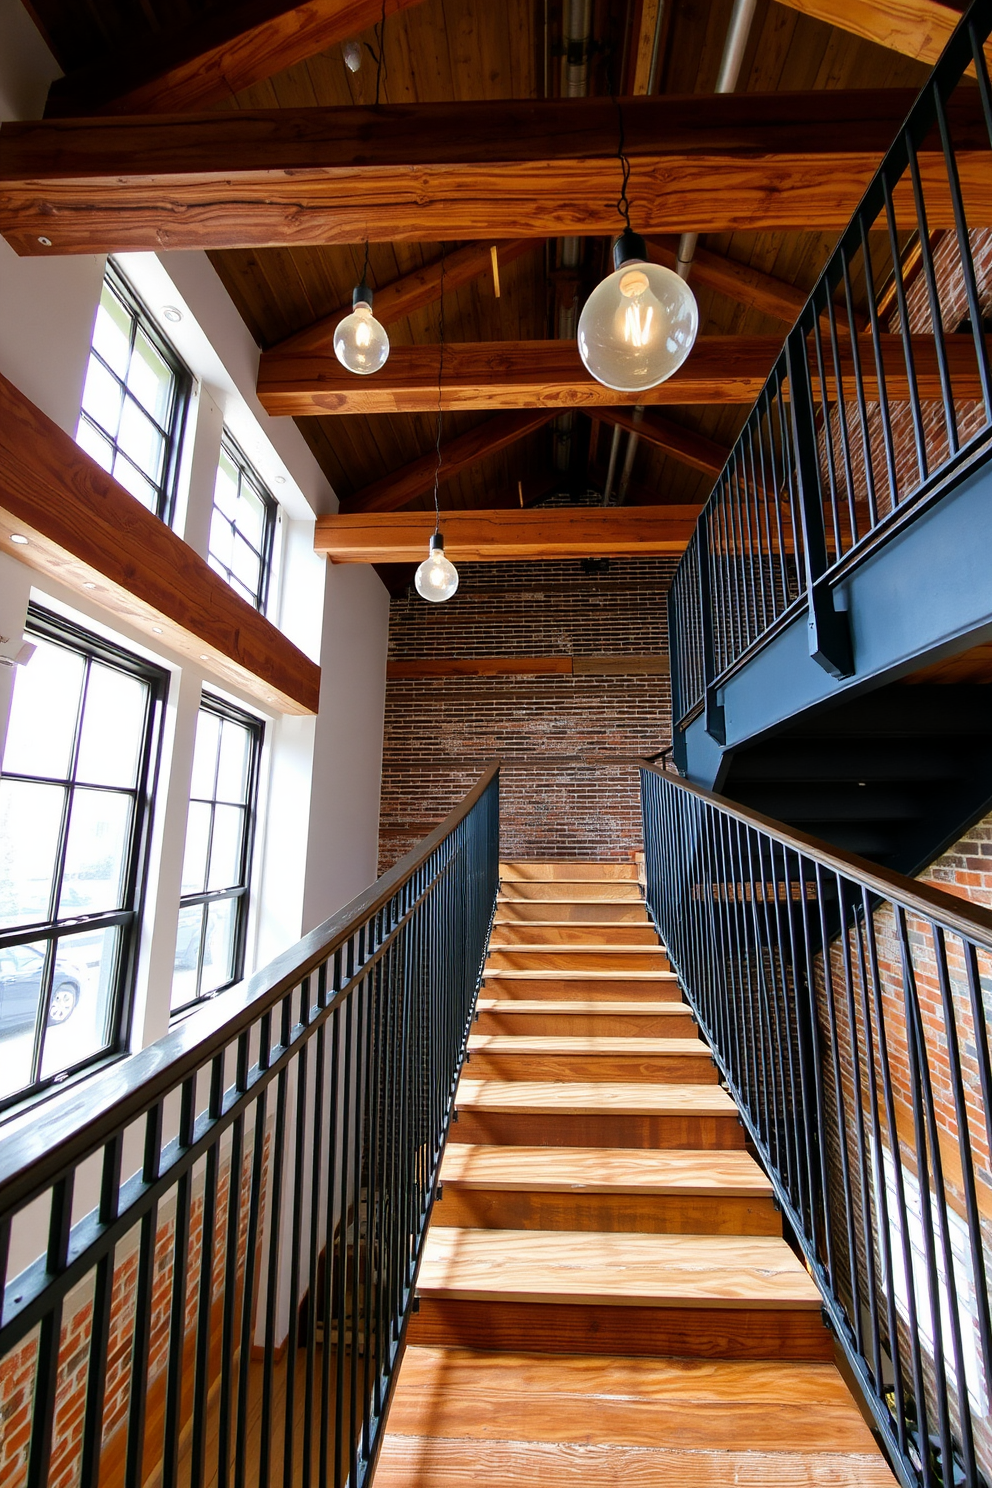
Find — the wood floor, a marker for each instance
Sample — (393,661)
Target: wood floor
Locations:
(606,1295)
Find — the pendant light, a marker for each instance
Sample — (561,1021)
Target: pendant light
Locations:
(638,325)
(437,577)
(360,342)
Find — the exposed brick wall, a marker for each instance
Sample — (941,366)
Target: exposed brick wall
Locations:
(569,744)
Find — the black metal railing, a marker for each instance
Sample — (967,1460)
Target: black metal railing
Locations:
(208,1250)
(848,1010)
(880,399)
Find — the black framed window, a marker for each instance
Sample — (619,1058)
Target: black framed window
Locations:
(242,526)
(220,827)
(134,399)
(75,792)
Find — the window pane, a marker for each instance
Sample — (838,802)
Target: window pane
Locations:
(235,744)
(22,978)
(245,565)
(251,515)
(96,852)
(226,486)
(102,397)
(149,379)
(141,441)
(221,539)
(113,725)
(205,755)
(30,824)
(225,850)
(43,713)
(132,480)
(95,445)
(195,854)
(218,961)
(81,1004)
(112,332)
(187,954)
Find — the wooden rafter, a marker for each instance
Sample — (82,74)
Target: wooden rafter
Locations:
(684,445)
(415,290)
(212,57)
(550,375)
(484,536)
(402,486)
(465,171)
(917,28)
(91,535)
(741,282)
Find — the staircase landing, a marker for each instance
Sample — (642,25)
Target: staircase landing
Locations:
(606,1295)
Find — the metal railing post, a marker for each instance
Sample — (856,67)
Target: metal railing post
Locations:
(715,724)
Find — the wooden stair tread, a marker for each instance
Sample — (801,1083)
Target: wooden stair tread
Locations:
(751,1272)
(603,1170)
(581,1008)
(439,1462)
(554,948)
(591,1044)
(579,1096)
(607,975)
(565,870)
(712,1405)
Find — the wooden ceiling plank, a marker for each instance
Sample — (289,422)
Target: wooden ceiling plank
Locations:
(917,28)
(417,478)
(415,290)
(682,444)
(213,57)
(498,535)
(89,533)
(550,375)
(741,282)
(648,25)
(478,170)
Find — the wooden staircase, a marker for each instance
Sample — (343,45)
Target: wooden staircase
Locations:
(606,1296)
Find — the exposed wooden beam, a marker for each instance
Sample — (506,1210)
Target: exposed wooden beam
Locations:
(475,170)
(550,375)
(400,487)
(485,536)
(212,57)
(917,28)
(740,282)
(89,533)
(415,290)
(682,444)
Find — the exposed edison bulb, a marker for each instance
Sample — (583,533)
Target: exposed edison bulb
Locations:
(638,326)
(360,342)
(437,577)
(351,51)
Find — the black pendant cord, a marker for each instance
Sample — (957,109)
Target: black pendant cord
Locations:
(380,33)
(623,204)
(440,381)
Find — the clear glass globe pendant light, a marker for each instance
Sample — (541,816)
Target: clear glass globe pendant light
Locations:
(639,324)
(437,577)
(360,342)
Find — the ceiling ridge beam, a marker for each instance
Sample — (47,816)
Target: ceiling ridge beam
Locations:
(467,171)
(410,292)
(916,28)
(211,58)
(404,485)
(681,443)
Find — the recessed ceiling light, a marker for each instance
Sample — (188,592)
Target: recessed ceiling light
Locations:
(173,313)
(156,630)
(89,585)
(204,656)
(280,480)
(16,537)
(45,242)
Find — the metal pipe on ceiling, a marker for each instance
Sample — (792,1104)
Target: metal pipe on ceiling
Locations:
(611,468)
(575,81)
(633,440)
(730,67)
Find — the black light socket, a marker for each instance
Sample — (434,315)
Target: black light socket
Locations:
(361,294)
(629,246)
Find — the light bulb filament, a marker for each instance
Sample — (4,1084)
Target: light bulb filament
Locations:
(637,327)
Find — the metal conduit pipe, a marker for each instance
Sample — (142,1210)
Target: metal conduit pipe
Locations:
(611,468)
(633,441)
(730,68)
(578,24)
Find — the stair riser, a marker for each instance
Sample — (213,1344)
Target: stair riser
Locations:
(627,1069)
(595,1129)
(655,1332)
(521,911)
(580,989)
(565,872)
(588,1025)
(573,935)
(573,892)
(577,959)
(609,1213)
